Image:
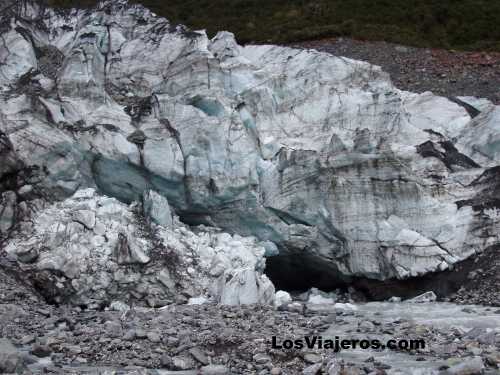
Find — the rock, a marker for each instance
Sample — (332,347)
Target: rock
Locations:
(126,252)
(276,371)
(28,255)
(395,299)
(214,370)
(138,137)
(119,306)
(199,355)
(166,361)
(166,280)
(312,358)
(366,326)
(261,358)
(40,350)
(129,335)
(140,333)
(295,307)
(334,368)
(316,308)
(472,366)
(426,297)
(182,362)
(8,211)
(154,337)
(313,369)
(113,329)
(11,360)
(493,359)
(156,208)
(282,298)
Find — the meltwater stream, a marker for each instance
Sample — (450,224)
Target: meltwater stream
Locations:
(471,320)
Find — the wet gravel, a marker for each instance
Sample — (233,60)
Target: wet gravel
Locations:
(211,339)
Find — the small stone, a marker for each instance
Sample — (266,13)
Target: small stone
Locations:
(199,355)
(214,370)
(276,371)
(493,359)
(28,339)
(366,326)
(113,329)
(312,370)
(182,362)
(296,307)
(40,351)
(312,358)
(261,358)
(166,361)
(119,306)
(11,360)
(468,367)
(129,335)
(140,333)
(153,337)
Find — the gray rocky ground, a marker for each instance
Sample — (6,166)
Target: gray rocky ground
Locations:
(211,339)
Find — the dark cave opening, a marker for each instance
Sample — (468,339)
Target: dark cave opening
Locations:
(300,272)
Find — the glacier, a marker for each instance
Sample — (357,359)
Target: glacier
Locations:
(314,157)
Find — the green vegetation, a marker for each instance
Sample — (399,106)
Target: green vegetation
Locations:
(452,24)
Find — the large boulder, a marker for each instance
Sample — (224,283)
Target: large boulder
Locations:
(11,359)
(319,155)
